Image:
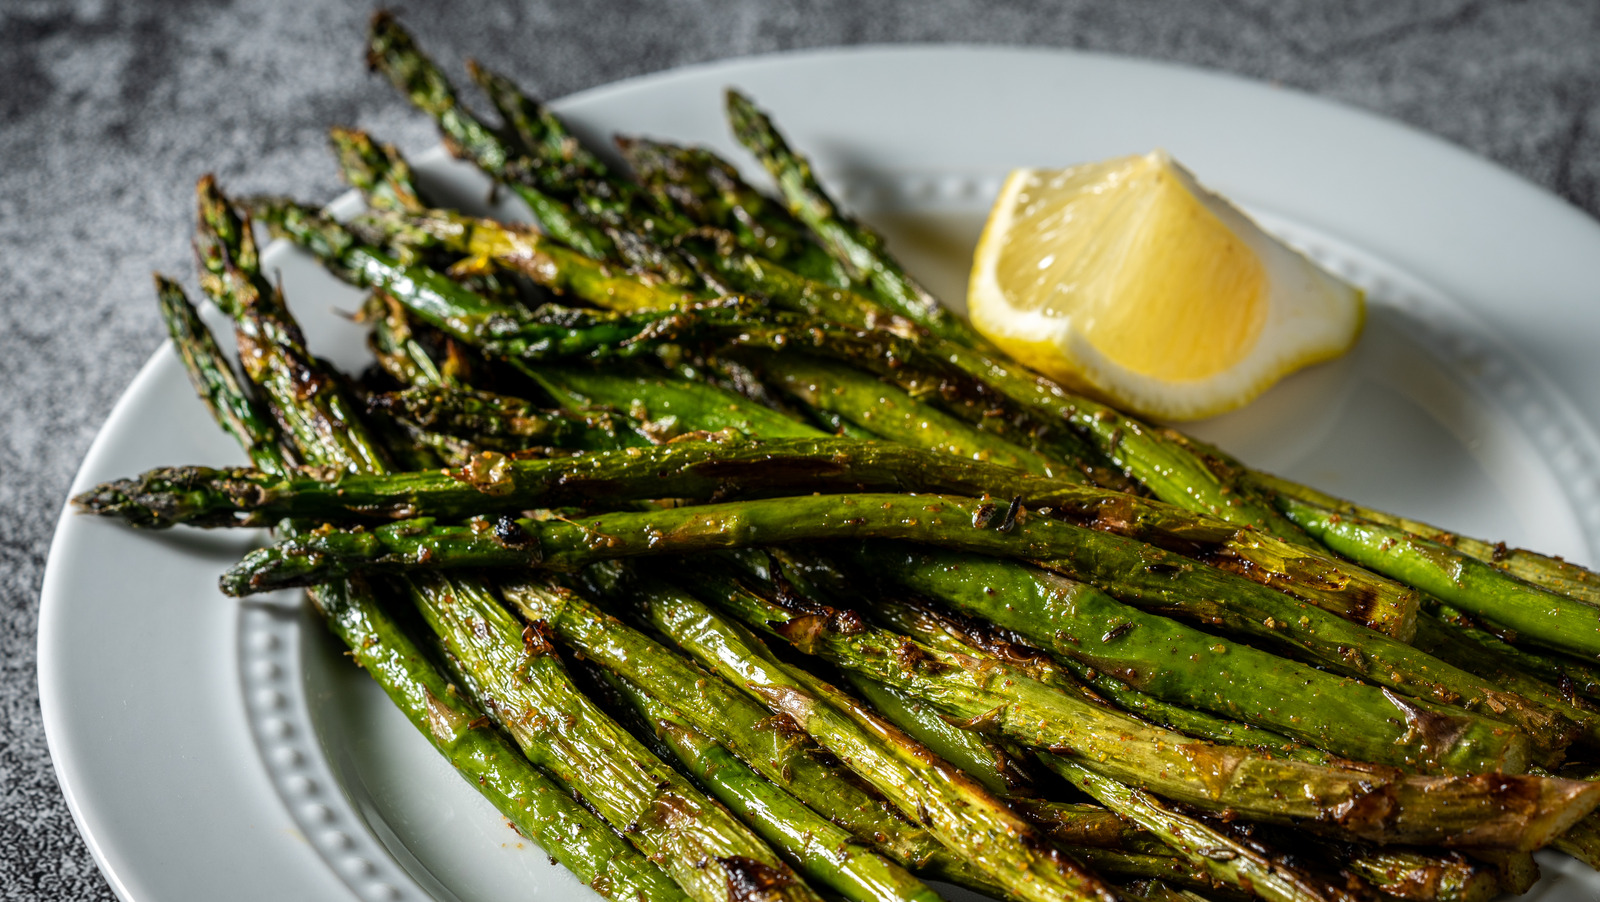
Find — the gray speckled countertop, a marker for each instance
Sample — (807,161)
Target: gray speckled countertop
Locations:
(109,111)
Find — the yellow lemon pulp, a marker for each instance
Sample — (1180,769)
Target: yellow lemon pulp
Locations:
(1129,279)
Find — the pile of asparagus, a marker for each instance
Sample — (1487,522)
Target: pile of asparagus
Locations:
(730,566)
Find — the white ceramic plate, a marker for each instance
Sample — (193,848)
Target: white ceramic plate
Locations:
(211,749)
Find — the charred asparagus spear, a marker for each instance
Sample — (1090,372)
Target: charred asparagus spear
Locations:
(956,808)
(988,695)
(852,244)
(515,672)
(1183,665)
(506,424)
(740,724)
(391,50)
(1537,614)
(820,850)
(1126,568)
(546,813)
(1545,571)
(213,378)
(728,469)
(712,192)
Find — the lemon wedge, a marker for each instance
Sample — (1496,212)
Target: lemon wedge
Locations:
(1129,280)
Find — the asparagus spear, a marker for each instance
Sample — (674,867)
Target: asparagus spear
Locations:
(379,172)
(713,706)
(399,353)
(507,424)
(271,347)
(964,636)
(722,470)
(1553,573)
(523,250)
(954,807)
(853,245)
(820,850)
(1227,859)
(893,414)
(1183,665)
(391,50)
(1537,614)
(711,191)
(539,808)
(213,378)
(561,824)
(1139,574)
(667,407)
(515,672)
(998,770)
(987,695)
(1486,659)
(1575,679)
(568,170)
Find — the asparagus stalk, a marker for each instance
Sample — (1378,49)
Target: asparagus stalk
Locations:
(667,407)
(716,708)
(1227,859)
(399,353)
(565,168)
(1130,570)
(592,229)
(1185,666)
(1575,679)
(307,403)
(1486,659)
(998,770)
(379,172)
(1361,801)
(570,171)
(539,808)
(1553,573)
(560,823)
(213,378)
(894,415)
(515,672)
(507,424)
(853,245)
(391,50)
(954,807)
(1538,615)
(722,470)
(523,250)
(963,636)
(712,192)
(820,850)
